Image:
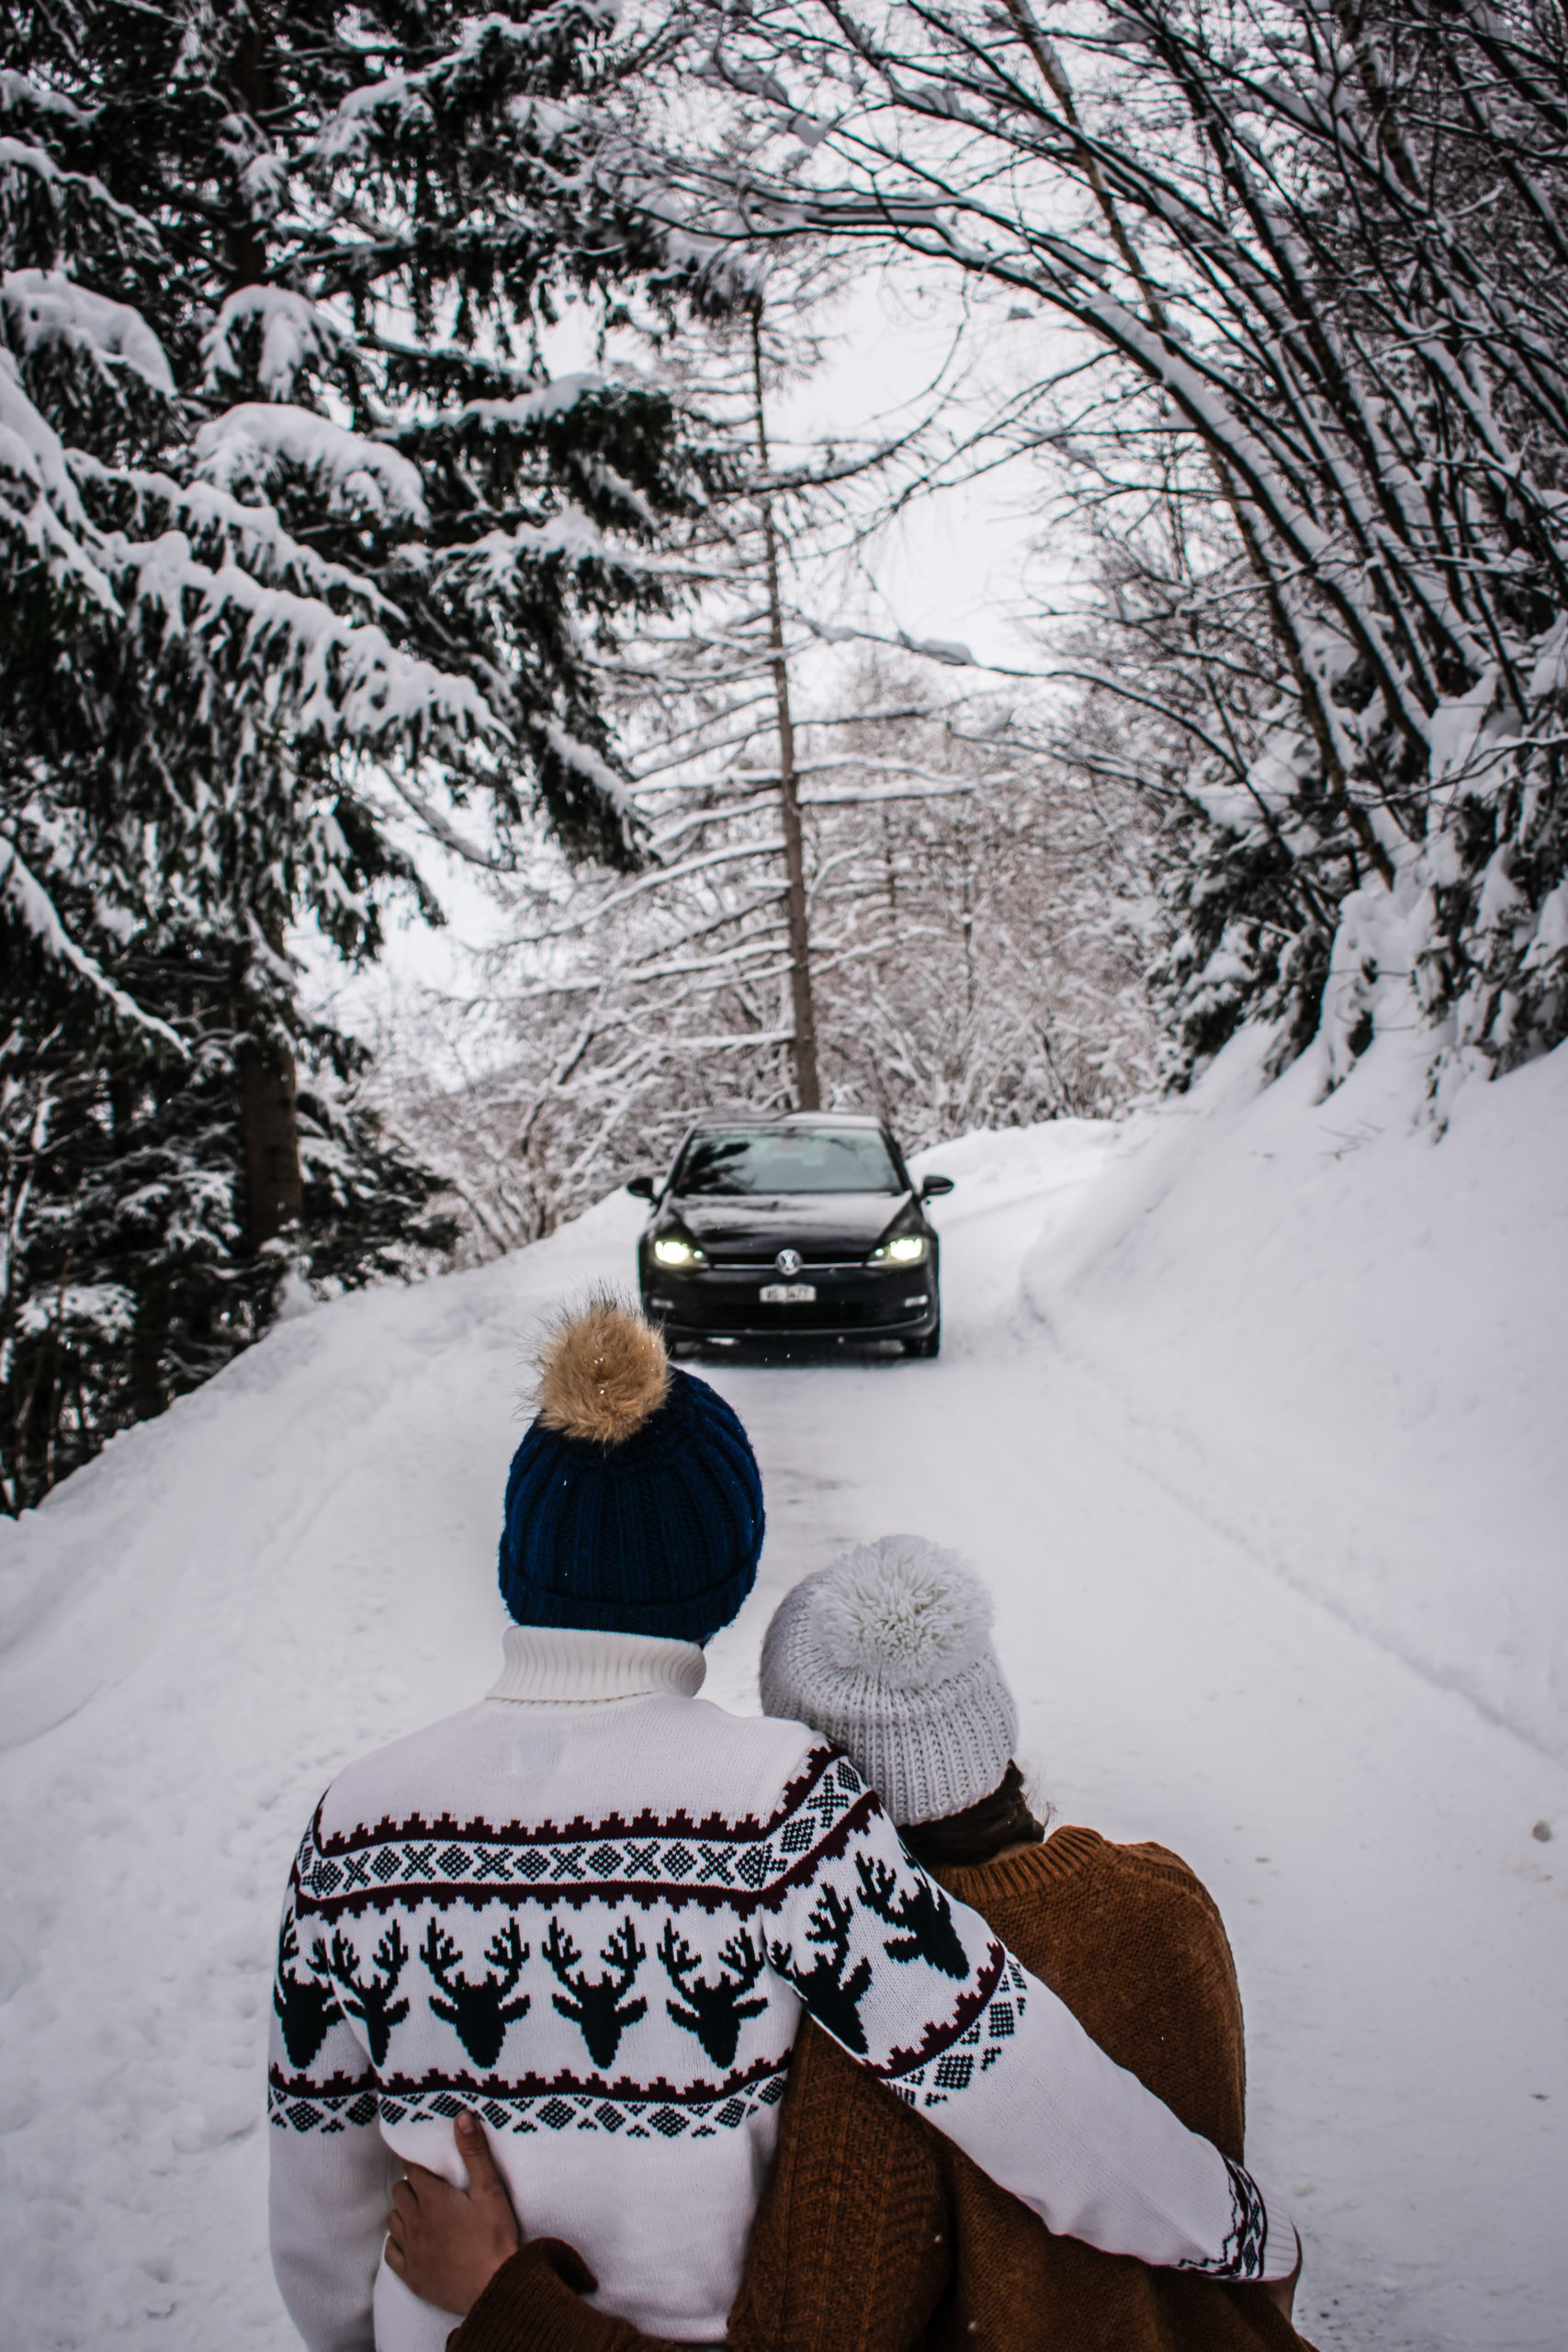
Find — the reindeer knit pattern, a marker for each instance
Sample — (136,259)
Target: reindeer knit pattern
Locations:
(593,1909)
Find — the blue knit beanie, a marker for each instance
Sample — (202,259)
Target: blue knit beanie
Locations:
(634,1504)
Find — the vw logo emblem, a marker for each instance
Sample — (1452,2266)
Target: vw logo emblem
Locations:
(788,1261)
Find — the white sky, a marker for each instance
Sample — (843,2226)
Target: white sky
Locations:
(953,568)
(950,568)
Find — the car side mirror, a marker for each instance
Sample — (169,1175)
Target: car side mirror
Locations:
(933,1187)
(642,1188)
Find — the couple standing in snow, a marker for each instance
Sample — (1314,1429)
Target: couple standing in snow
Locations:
(620,1984)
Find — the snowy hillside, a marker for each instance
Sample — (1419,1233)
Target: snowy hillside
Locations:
(1349,1340)
(1250,1410)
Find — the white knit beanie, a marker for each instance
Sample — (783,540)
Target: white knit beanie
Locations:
(888,1653)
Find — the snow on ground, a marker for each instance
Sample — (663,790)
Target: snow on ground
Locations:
(1349,1336)
(1249,1410)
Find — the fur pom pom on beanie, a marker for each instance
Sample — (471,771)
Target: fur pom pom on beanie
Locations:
(889,1654)
(634,1504)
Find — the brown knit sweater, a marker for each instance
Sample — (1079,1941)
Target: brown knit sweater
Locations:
(875,2235)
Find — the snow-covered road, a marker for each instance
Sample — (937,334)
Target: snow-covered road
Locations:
(298,1563)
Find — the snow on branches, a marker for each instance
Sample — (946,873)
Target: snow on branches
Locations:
(219,440)
(304,564)
(1321,253)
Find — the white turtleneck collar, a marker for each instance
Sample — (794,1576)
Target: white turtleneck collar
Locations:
(563,1665)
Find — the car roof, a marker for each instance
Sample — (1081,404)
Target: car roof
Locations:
(785,1119)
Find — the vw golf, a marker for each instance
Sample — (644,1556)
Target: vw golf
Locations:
(804,1224)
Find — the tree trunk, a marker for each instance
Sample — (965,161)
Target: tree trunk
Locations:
(808,1086)
(252,82)
(149,1345)
(269,1128)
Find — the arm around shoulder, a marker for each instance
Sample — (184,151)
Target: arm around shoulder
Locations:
(914,1985)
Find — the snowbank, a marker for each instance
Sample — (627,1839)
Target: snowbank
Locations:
(1355,1331)
(1287,1350)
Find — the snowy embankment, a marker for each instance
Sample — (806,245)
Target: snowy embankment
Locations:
(1351,1337)
(1250,1412)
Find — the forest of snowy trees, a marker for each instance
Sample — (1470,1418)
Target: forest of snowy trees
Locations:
(321,583)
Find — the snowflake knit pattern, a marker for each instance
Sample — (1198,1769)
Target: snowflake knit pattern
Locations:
(615,1987)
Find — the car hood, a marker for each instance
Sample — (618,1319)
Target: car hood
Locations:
(818,1224)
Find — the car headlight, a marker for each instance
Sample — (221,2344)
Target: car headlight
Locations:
(904,1250)
(670,1249)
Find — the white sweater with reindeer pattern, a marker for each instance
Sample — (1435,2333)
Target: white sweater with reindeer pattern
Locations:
(592,1909)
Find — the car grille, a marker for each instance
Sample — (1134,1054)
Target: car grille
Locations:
(824,1315)
(765,1270)
(873,1303)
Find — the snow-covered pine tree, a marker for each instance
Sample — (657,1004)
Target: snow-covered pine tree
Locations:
(302,555)
(124,1276)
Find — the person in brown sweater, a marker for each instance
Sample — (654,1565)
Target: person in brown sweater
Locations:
(875,2233)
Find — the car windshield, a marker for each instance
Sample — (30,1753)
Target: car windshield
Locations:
(787,1159)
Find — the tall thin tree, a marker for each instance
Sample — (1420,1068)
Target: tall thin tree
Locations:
(807,1082)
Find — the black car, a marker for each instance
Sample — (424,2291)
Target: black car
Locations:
(802,1226)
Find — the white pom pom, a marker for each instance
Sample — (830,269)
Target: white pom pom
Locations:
(903,1610)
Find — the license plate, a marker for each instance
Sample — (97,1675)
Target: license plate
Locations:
(788,1294)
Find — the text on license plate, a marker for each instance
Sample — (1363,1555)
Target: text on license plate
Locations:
(788,1294)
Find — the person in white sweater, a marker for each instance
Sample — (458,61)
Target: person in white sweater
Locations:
(593,1909)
